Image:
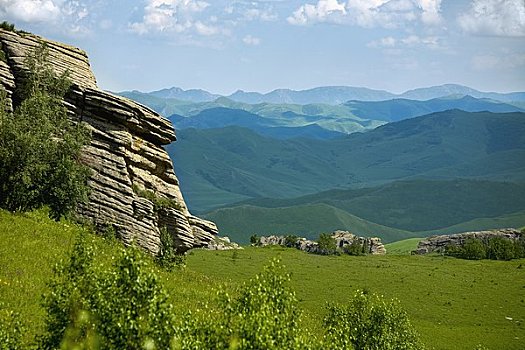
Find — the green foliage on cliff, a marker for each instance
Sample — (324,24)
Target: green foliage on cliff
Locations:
(327,244)
(40,146)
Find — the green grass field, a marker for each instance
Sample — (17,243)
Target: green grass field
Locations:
(404,247)
(454,304)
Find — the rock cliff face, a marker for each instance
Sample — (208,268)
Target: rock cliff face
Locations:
(439,243)
(125,154)
(342,239)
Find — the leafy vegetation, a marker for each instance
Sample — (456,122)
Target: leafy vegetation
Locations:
(369,322)
(39,145)
(158,202)
(495,248)
(442,296)
(327,244)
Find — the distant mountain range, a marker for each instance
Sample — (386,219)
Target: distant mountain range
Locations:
(441,172)
(333,95)
(319,121)
(224,165)
(437,160)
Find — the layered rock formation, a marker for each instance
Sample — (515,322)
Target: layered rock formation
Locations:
(343,240)
(438,243)
(125,153)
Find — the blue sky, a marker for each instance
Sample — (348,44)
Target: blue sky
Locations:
(225,45)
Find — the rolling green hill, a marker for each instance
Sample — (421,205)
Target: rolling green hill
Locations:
(442,296)
(446,145)
(394,211)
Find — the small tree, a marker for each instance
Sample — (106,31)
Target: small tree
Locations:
(369,322)
(40,146)
(499,248)
(122,306)
(327,244)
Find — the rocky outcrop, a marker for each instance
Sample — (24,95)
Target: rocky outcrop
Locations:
(125,154)
(438,243)
(343,240)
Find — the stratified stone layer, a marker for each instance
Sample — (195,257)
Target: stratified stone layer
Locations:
(126,154)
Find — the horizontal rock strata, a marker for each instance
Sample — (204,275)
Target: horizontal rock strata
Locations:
(438,243)
(126,154)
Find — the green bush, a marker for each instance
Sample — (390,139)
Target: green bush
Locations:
(264,315)
(11,330)
(355,248)
(254,239)
(290,240)
(369,322)
(495,248)
(474,249)
(122,307)
(499,248)
(327,244)
(167,256)
(7,26)
(40,146)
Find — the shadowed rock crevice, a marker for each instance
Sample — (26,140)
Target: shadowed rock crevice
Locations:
(125,153)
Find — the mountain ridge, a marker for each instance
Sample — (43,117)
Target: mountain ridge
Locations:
(334,95)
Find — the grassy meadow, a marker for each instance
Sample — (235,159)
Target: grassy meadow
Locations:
(454,304)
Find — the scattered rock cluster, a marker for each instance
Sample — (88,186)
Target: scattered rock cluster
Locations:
(342,239)
(222,243)
(125,153)
(439,243)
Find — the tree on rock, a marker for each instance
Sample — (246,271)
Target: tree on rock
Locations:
(40,145)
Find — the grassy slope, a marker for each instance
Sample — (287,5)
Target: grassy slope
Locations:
(239,223)
(404,247)
(454,304)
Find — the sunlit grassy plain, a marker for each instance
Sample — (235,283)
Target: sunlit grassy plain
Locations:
(454,304)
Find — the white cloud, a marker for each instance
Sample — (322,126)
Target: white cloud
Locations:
(410,41)
(494,17)
(172,16)
(323,11)
(68,16)
(491,62)
(369,13)
(31,10)
(251,40)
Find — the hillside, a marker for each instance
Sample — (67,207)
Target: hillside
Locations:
(447,145)
(433,290)
(394,211)
(399,109)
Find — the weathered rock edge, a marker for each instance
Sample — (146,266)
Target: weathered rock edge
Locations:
(438,243)
(342,239)
(125,152)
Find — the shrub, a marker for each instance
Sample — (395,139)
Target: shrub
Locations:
(167,256)
(121,307)
(355,248)
(327,244)
(290,240)
(11,330)
(369,322)
(264,315)
(7,26)
(499,248)
(254,239)
(39,146)
(474,249)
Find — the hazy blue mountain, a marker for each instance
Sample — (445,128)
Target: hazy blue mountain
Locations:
(399,109)
(454,89)
(236,162)
(289,126)
(193,95)
(332,95)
